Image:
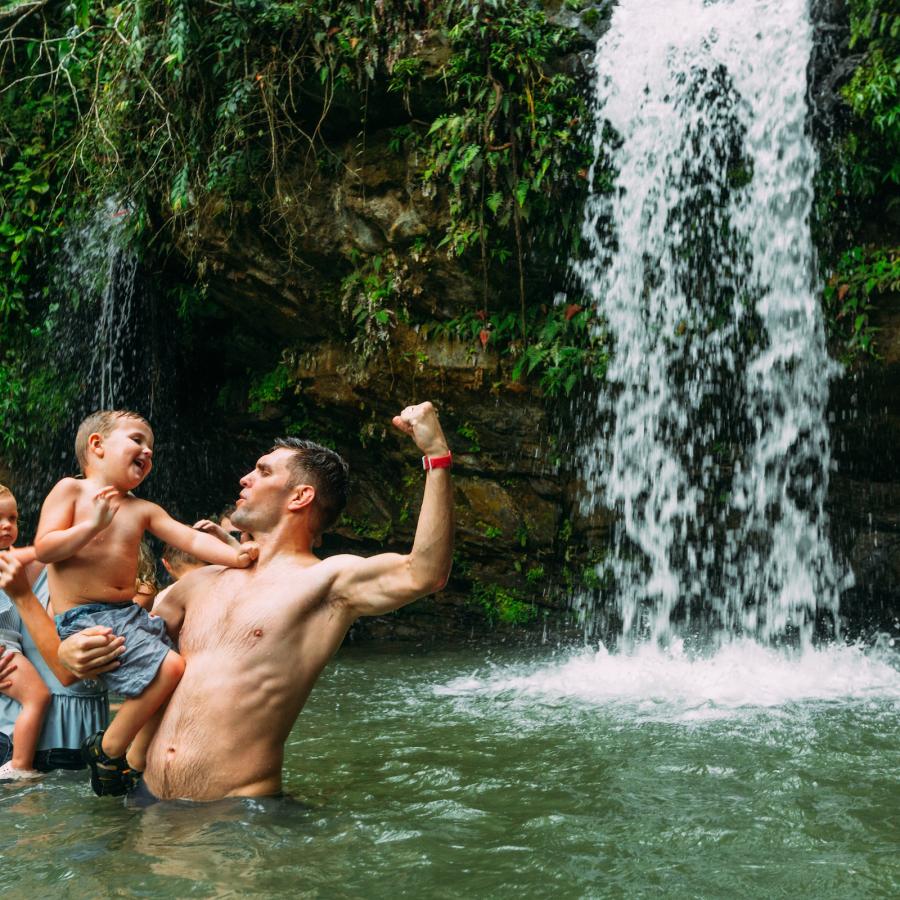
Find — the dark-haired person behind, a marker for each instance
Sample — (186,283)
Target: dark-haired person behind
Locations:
(255,640)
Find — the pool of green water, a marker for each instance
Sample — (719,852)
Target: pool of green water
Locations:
(472,773)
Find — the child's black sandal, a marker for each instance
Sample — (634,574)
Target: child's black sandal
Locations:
(110,776)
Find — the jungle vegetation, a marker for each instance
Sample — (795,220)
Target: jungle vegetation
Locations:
(193,112)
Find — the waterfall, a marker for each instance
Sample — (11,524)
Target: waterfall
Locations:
(709,438)
(101,342)
(101,266)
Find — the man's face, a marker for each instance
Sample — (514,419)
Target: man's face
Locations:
(127,454)
(9,521)
(264,493)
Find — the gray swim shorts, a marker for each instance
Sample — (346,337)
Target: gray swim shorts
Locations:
(146,641)
(10,640)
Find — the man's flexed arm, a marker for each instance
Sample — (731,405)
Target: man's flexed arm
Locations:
(370,587)
(58,535)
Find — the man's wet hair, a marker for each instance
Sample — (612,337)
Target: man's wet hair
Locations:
(102,422)
(325,470)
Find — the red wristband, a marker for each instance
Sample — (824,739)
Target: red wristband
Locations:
(437,462)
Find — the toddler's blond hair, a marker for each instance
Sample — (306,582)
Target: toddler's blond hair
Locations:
(101,422)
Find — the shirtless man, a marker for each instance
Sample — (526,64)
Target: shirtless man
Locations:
(255,640)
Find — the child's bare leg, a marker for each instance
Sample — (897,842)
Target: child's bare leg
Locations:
(137,752)
(28,688)
(138,711)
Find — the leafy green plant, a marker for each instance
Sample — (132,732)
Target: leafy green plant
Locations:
(501,604)
(367,292)
(873,93)
(862,273)
(509,146)
(269,388)
(467,430)
(567,345)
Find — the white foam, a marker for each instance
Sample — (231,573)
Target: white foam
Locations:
(673,684)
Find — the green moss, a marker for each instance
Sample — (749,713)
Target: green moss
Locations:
(268,388)
(504,605)
(365,528)
(467,430)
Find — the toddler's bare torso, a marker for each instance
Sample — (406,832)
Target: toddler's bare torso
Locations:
(103,570)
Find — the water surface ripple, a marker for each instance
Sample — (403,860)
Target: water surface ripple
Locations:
(459,774)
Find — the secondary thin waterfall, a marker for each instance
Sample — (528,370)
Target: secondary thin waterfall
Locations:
(709,438)
(99,264)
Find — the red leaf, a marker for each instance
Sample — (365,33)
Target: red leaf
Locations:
(482,315)
(572,310)
(484,336)
(843,290)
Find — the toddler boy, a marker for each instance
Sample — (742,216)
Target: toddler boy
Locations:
(90,533)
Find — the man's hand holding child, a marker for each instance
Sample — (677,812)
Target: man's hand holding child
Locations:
(13,576)
(7,667)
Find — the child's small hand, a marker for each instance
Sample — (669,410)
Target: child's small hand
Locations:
(106,505)
(249,553)
(217,531)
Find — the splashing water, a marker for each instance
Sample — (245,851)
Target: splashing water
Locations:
(673,685)
(709,438)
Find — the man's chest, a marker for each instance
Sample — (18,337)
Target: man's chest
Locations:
(245,619)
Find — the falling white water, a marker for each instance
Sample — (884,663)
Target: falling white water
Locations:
(99,264)
(709,437)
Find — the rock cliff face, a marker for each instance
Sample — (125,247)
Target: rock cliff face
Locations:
(864,501)
(282,301)
(522,546)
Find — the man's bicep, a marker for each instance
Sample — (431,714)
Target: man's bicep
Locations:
(375,584)
(171,609)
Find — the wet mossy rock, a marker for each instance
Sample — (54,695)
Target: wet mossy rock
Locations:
(517,495)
